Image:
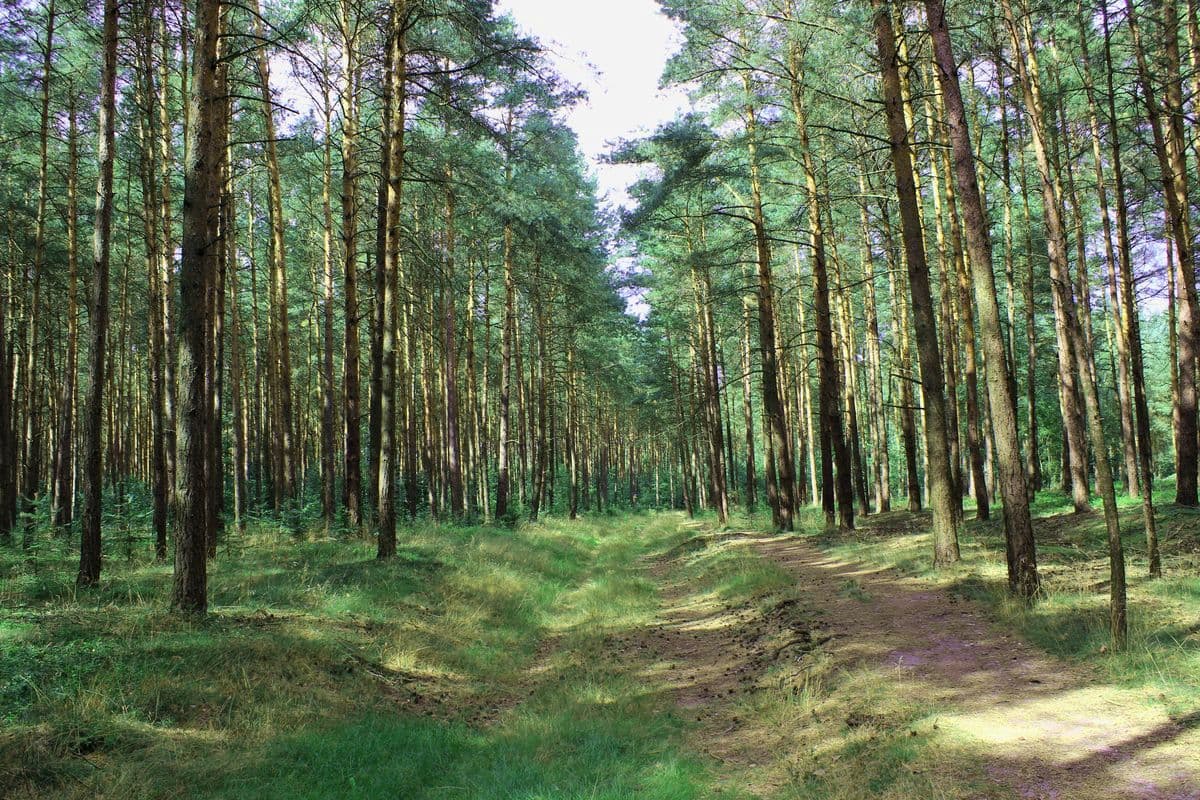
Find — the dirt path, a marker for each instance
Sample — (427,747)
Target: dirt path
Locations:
(1040,728)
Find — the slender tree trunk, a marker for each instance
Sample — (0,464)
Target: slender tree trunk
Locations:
(1170,147)
(93,487)
(352,456)
(1128,436)
(963,266)
(1063,299)
(747,400)
(64,483)
(285,426)
(1021,550)
(450,358)
(328,390)
(506,349)
(835,451)
(31,382)
(945,532)
(876,417)
(1130,322)
(389,319)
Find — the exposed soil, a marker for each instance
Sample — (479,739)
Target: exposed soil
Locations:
(1046,729)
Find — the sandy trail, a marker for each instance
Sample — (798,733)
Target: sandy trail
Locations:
(1047,729)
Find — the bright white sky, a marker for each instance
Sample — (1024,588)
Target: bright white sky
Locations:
(615,50)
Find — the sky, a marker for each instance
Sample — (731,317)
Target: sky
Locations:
(615,50)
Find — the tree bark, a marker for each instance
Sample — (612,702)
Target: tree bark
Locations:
(389,318)
(202,175)
(352,456)
(1021,550)
(941,500)
(285,426)
(93,477)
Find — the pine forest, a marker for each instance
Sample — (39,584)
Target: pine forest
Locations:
(370,430)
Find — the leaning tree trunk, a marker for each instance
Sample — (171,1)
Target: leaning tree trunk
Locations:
(1170,148)
(1131,324)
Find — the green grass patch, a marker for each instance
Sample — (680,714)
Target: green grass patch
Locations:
(471,666)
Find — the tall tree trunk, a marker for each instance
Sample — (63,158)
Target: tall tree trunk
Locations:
(941,499)
(1021,550)
(962,280)
(876,417)
(907,405)
(93,488)
(352,457)
(389,319)
(285,426)
(154,323)
(1128,435)
(202,175)
(1130,322)
(1061,288)
(458,506)
(31,383)
(328,391)
(506,351)
(747,399)
(64,478)
(835,450)
(1170,148)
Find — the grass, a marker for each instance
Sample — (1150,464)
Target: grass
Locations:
(481,663)
(471,666)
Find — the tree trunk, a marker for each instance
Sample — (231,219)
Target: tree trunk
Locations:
(202,178)
(941,499)
(876,418)
(89,554)
(1130,322)
(1170,148)
(328,391)
(64,483)
(389,319)
(285,426)
(352,456)
(1021,550)
(506,348)
(1063,299)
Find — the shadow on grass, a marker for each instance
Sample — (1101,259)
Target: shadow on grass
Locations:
(566,748)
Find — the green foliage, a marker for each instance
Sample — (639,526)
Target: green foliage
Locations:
(472,665)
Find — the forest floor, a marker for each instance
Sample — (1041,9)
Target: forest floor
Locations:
(632,656)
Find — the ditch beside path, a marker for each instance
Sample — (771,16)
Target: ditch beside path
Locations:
(1011,720)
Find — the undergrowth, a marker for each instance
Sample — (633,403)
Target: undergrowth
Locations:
(466,667)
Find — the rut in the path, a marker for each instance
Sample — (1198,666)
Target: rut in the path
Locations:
(1046,729)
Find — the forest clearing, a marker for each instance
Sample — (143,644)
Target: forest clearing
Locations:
(644,399)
